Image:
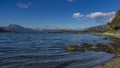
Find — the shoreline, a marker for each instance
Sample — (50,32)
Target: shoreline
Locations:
(56,64)
(115,63)
(108,64)
(114,35)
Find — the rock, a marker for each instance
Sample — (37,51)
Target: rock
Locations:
(117,55)
(105,38)
(85,46)
(101,46)
(74,48)
(109,48)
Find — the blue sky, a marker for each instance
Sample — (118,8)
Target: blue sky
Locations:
(57,13)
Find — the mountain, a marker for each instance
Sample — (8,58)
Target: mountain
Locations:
(115,23)
(2,30)
(49,30)
(110,27)
(21,29)
(60,31)
(100,28)
(68,31)
(18,29)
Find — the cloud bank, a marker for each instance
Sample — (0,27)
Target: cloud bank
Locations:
(98,16)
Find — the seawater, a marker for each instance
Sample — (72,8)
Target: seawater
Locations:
(18,49)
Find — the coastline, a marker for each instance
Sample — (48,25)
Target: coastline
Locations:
(114,35)
(115,63)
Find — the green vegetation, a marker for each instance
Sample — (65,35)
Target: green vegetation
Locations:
(115,24)
(114,27)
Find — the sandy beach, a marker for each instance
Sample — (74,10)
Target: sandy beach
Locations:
(115,63)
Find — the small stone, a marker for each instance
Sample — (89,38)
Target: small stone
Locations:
(105,38)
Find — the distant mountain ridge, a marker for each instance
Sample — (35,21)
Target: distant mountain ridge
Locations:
(2,30)
(17,28)
(20,29)
(100,28)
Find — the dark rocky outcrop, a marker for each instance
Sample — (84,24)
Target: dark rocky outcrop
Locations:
(109,48)
(74,48)
(86,46)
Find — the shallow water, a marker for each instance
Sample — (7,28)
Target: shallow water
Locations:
(18,50)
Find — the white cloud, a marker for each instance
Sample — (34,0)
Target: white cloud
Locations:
(78,16)
(70,0)
(24,5)
(98,16)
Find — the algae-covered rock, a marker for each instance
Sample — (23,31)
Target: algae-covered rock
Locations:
(109,48)
(101,46)
(86,46)
(74,48)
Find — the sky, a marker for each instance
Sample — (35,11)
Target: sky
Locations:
(75,14)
